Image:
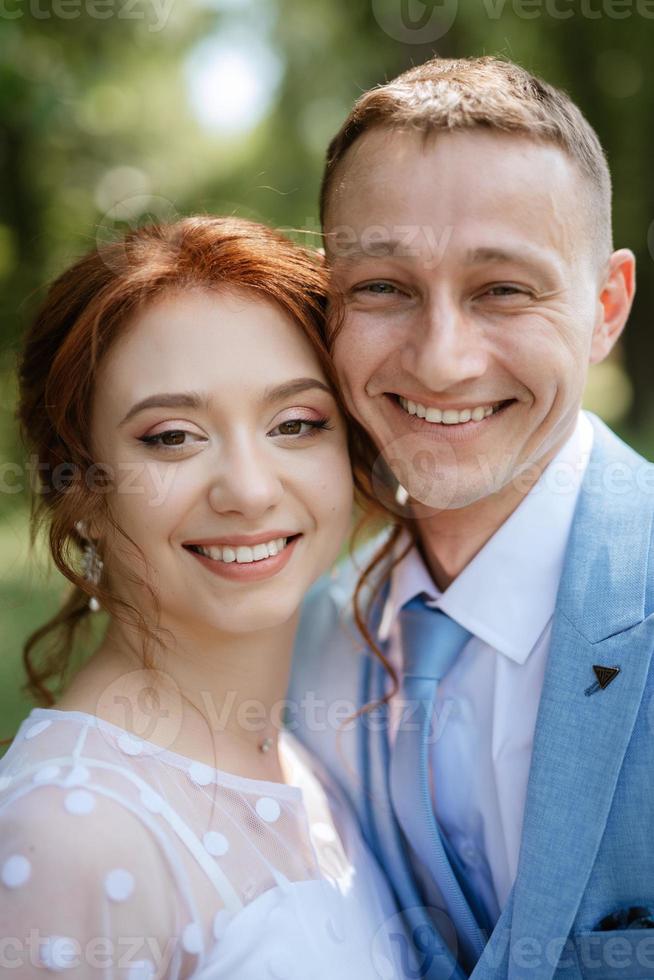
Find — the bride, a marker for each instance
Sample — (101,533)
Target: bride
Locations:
(196,481)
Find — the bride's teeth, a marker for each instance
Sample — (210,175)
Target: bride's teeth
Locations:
(243,554)
(450,416)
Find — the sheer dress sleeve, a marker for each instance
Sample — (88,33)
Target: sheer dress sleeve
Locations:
(88,888)
(106,863)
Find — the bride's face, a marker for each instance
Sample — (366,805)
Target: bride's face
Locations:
(221,435)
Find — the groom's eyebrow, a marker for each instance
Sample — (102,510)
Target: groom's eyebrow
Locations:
(489,254)
(378,248)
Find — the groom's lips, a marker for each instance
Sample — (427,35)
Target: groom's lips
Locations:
(458,432)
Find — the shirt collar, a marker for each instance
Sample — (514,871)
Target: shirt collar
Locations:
(507,594)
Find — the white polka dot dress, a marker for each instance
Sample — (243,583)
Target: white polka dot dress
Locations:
(125,861)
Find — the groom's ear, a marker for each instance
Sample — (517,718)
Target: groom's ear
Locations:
(614,303)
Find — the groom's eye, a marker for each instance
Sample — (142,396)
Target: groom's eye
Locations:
(504,289)
(377,288)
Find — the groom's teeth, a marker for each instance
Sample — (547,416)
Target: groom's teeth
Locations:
(243,554)
(450,416)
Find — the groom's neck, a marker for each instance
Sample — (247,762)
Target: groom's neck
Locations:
(450,539)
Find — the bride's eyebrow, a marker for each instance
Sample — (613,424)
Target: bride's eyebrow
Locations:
(182,399)
(192,399)
(295,387)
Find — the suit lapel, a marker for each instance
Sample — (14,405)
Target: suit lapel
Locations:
(580,741)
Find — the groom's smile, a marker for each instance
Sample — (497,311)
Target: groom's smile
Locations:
(459,423)
(469,289)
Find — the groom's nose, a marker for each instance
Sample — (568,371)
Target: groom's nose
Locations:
(443,346)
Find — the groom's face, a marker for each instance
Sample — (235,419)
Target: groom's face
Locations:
(470,292)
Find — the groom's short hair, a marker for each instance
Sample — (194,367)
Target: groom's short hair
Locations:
(450,94)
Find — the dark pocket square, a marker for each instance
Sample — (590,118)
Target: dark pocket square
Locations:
(635,917)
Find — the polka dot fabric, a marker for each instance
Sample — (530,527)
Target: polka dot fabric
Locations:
(124,861)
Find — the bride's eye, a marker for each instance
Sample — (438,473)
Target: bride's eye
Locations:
(298,427)
(171,438)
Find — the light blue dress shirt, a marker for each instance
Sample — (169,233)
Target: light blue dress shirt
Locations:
(486,706)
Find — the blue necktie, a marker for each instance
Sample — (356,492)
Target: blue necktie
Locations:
(431,642)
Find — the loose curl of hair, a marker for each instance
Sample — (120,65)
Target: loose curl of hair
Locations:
(83,315)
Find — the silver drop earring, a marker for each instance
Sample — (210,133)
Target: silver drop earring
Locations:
(92,566)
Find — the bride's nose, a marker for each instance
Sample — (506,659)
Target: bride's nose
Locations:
(248,480)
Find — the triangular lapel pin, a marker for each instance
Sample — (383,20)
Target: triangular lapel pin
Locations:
(604,677)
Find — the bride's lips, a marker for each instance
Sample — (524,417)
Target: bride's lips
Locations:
(248,571)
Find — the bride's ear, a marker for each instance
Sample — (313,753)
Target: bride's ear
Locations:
(614,303)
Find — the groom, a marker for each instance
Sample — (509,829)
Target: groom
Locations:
(507,787)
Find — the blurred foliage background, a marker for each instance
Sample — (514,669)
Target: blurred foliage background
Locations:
(112,111)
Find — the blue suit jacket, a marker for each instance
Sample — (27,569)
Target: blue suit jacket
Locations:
(587,845)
